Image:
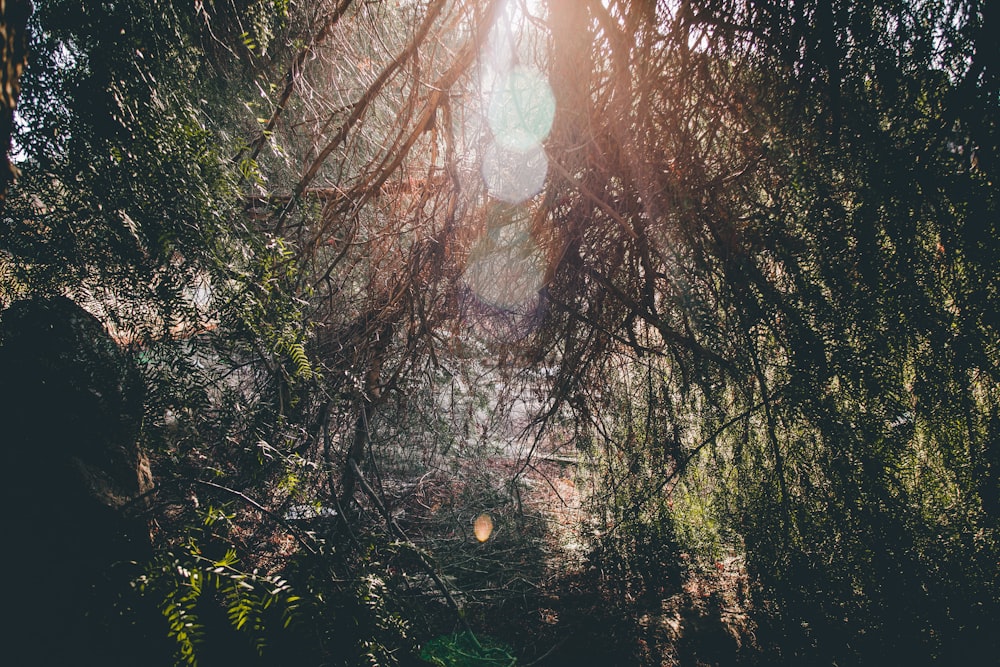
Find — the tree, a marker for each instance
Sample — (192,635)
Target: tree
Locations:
(782,203)
(13,38)
(758,239)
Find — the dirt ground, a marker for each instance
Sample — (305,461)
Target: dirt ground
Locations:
(536,586)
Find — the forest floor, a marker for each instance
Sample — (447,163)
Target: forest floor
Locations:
(585,615)
(536,584)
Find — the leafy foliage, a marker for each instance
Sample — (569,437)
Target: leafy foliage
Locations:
(765,254)
(193,588)
(466,650)
(797,251)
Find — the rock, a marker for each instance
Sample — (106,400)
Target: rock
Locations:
(71,405)
(70,397)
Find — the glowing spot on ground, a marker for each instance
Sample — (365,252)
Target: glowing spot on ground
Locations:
(521,110)
(483,527)
(514,176)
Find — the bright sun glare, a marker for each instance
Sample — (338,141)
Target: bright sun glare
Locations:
(506,267)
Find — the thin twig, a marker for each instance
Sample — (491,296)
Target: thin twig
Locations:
(395,529)
(253,503)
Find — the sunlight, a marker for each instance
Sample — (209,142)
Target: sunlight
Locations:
(506,268)
(522,109)
(505,273)
(514,176)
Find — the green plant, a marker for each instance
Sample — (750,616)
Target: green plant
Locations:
(463,649)
(191,590)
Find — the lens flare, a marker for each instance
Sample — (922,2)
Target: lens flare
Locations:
(521,110)
(506,268)
(514,176)
(483,527)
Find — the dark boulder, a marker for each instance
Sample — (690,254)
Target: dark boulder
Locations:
(71,405)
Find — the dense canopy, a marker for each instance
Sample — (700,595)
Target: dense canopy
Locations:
(727,270)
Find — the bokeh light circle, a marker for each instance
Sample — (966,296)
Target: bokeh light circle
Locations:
(506,268)
(483,527)
(521,109)
(514,176)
